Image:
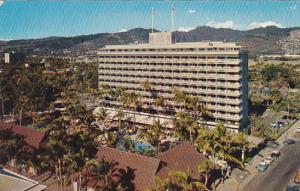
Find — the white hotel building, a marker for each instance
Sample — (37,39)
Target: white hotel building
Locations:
(215,71)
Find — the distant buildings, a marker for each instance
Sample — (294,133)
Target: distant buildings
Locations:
(14,58)
(291,44)
(282,57)
(217,72)
(295,34)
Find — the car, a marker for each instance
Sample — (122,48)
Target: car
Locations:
(297,177)
(292,188)
(275,154)
(262,166)
(222,163)
(289,142)
(298,130)
(268,160)
(272,144)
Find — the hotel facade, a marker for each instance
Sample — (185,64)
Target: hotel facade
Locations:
(217,72)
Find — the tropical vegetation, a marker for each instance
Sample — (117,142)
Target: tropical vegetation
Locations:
(75,133)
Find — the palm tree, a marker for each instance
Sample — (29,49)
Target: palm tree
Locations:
(218,143)
(179,98)
(242,143)
(5,136)
(120,115)
(124,99)
(205,143)
(102,118)
(179,180)
(19,151)
(275,96)
(160,102)
(72,141)
(134,103)
(223,144)
(195,106)
(205,168)
(185,126)
(56,151)
(5,92)
(147,88)
(69,166)
(153,135)
(101,171)
(252,122)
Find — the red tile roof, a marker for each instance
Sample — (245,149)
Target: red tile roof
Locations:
(32,137)
(145,168)
(182,157)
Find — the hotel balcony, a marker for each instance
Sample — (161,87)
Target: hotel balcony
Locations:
(174,60)
(169,82)
(235,77)
(235,69)
(236,93)
(230,126)
(167,53)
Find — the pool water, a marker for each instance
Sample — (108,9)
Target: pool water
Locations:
(138,146)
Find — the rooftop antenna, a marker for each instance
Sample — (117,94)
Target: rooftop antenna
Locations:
(173,11)
(152,19)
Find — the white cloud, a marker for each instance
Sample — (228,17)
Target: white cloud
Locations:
(123,30)
(191,11)
(185,29)
(294,7)
(1,2)
(226,24)
(264,24)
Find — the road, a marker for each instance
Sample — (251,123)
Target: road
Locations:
(279,173)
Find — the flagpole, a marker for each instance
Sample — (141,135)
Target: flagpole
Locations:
(173,11)
(152,19)
(172,19)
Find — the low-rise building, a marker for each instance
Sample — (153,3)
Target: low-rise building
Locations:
(14,58)
(35,140)
(32,137)
(10,181)
(143,170)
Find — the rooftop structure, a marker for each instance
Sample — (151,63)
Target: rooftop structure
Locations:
(182,157)
(10,181)
(32,137)
(144,167)
(217,72)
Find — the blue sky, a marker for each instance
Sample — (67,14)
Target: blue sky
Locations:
(36,19)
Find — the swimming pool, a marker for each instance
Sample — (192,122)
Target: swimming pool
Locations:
(138,146)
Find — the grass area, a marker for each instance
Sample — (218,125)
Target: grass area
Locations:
(253,63)
(287,128)
(249,159)
(40,126)
(43,125)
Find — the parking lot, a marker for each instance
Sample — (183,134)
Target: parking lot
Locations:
(279,172)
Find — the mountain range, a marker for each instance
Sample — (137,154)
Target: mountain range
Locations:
(257,41)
